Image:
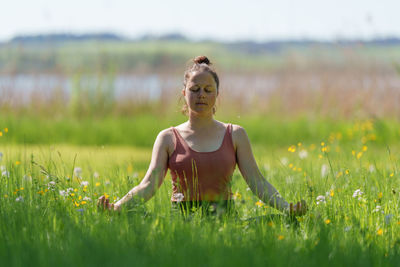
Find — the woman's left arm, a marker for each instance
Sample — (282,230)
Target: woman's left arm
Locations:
(256,181)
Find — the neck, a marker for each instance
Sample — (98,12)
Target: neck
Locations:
(197,121)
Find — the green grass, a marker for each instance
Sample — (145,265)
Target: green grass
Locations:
(140,130)
(46,229)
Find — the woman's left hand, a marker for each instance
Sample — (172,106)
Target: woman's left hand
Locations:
(299,209)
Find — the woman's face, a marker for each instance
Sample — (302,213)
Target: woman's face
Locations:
(200,92)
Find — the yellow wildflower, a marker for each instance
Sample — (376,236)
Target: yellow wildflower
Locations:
(75,190)
(353,152)
(347,171)
(322,143)
(271,224)
(327,221)
(391,175)
(5,196)
(259,203)
(83,202)
(332,193)
(1,133)
(380,195)
(21,188)
(72,194)
(299,144)
(290,165)
(379,232)
(364,148)
(76,204)
(98,184)
(359,155)
(80,197)
(320,156)
(281,237)
(17,162)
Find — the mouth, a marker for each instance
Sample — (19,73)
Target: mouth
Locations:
(205,104)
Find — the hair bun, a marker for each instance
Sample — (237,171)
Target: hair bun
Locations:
(202,59)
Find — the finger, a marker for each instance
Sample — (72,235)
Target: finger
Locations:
(107,203)
(100,201)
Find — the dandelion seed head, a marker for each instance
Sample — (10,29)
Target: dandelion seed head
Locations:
(324,170)
(303,154)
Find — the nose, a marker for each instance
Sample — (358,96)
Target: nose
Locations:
(202,92)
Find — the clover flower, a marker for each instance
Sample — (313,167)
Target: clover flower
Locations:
(84,183)
(179,197)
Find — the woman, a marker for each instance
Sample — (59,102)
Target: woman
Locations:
(202,153)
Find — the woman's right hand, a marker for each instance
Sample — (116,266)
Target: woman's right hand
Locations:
(103,203)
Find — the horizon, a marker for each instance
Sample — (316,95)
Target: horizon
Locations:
(223,21)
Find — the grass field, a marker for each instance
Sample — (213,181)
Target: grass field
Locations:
(348,177)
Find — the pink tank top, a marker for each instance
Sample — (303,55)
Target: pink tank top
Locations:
(202,175)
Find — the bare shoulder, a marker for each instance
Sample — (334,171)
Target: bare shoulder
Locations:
(165,140)
(239,135)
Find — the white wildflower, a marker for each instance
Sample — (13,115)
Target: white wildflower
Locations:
(377,209)
(324,170)
(5,173)
(96,175)
(107,182)
(320,199)
(135,175)
(63,193)
(248,189)
(87,199)
(179,197)
(358,193)
(84,183)
(303,154)
(70,190)
(284,161)
(19,199)
(51,185)
(77,171)
(347,228)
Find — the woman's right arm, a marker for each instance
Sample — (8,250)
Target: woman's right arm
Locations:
(153,178)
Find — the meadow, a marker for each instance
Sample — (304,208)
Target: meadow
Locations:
(335,146)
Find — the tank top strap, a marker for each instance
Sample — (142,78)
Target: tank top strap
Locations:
(179,143)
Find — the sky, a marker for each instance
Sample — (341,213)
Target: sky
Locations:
(221,20)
